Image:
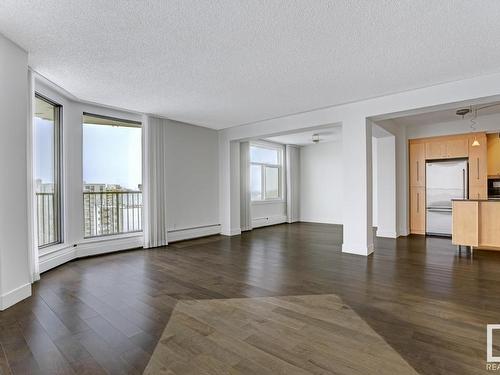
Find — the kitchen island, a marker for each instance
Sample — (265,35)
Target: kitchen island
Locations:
(476,223)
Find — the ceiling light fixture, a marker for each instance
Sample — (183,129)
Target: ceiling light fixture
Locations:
(315,138)
(473,111)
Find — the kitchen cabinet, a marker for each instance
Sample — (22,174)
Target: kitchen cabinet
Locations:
(435,149)
(476,223)
(493,149)
(417,210)
(478,191)
(478,163)
(447,148)
(457,148)
(417,164)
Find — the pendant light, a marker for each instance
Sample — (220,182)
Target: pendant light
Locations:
(475,143)
(473,111)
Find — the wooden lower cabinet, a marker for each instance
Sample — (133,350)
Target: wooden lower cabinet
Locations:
(476,223)
(417,210)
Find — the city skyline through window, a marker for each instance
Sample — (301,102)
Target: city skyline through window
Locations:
(112,176)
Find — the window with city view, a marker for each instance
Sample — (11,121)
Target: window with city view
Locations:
(47,171)
(112,176)
(265,173)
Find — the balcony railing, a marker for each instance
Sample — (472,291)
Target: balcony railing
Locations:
(113,212)
(47,219)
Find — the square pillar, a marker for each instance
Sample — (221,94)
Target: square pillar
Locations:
(229,186)
(357,186)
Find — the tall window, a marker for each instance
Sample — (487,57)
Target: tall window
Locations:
(112,176)
(265,173)
(47,157)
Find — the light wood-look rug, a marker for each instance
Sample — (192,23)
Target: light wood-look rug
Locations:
(272,335)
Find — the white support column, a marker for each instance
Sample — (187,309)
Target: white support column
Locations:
(386,190)
(229,186)
(15,275)
(357,206)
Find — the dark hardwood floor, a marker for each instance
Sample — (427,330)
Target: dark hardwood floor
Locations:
(105,314)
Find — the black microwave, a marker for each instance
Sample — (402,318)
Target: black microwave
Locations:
(494,188)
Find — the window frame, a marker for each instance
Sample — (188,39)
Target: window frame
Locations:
(58,172)
(263,167)
(121,123)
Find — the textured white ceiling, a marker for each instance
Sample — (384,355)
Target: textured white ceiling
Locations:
(436,117)
(305,138)
(221,63)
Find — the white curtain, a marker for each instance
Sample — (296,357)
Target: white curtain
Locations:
(292,183)
(154,182)
(245,197)
(32,211)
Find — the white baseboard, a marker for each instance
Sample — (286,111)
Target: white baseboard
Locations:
(56,258)
(319,220)
(357,249)
(271,220)
(386,234)
(15,296)
(231,232)
(108,246)
(189,233)
(105,245)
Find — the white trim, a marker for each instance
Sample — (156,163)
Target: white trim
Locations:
(357,249)
(101,245)
(56,258)
(388,234)
(96,248)
(189,233)
(232,232)
(319,220)
(270,220)
(15,296)
(85,248)
(268,201)
(98,239)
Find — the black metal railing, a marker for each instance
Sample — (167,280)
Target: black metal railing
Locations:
(112,212)
(47,219)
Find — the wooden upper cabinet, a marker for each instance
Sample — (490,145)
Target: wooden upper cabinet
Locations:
(493,154)
(478,161)
(457,148)
(435,149)
(417,164)
(478,191)
(447,148)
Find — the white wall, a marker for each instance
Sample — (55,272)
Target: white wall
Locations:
(192,182)
(320,183)
(321,189)
(384,186)
(268,213)
(487,86)
(401,151)
(14,262)
(192,176)
(293,183)
(375,189)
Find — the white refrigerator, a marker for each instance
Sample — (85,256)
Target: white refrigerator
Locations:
(445,180)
